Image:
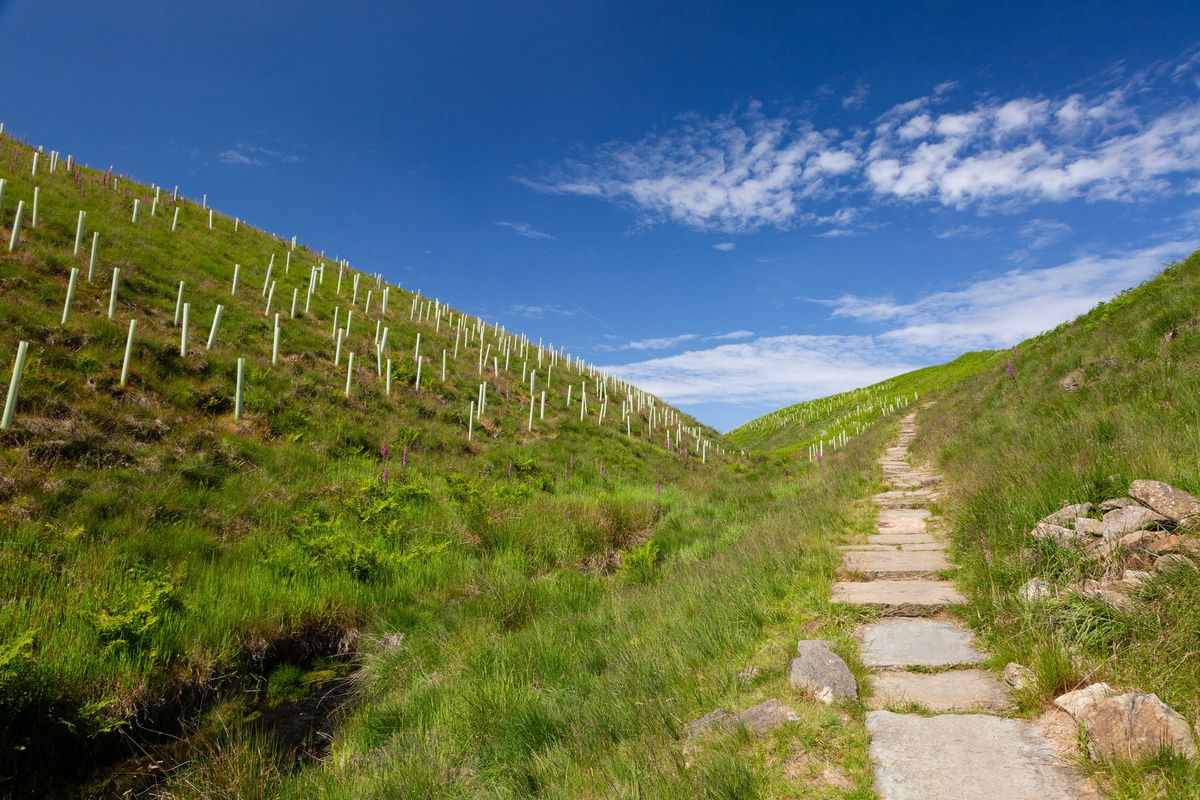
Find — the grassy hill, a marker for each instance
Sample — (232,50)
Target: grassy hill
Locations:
(159,552)
(829,420)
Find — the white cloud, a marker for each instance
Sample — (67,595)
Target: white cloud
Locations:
(525,229)
(724,246)
(992,312)
(741,172)
(962,232)
(732,173)
(738,334)
(858,96)
(234,157)
(658,343)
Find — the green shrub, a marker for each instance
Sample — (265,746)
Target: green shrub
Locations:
(641,563)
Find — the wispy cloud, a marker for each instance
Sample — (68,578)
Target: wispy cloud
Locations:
(525,229)
(724,246)
(735,172)
(858,96)
(256,156)
(903,335)
(537,312)
(655,343)
(962,232)
(739,172)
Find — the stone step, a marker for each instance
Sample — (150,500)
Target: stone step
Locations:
(900,643)
(902,520)
(898,598)
(957,690)
(919,547)
(967,757)
(895,499)
(901,538)
(896,564)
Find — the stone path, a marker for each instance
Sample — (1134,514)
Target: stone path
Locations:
(935,756)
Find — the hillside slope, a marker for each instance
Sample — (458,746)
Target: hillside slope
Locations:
(161,550)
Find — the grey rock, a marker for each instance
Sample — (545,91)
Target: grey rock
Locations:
(1111,592)
(966,757)
(1115,503)
(1086,526)
(1072,380)
(1176,505)
(821,672)
(1068,514)
(766,717)
(1048,530)
(1135,725)
(1121,521)
(1135,577)
(747,675)
(1172,561)
(1019,676)
(1035,589)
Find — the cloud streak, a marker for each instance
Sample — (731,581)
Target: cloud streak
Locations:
(526,230)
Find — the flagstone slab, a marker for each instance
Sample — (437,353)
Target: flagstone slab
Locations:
(902,520)
(896,563)
(898,643)
(966,757)
(901,499)
(898,598)
(901,538)
(916,547)
(956,690)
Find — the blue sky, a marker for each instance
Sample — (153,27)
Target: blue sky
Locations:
(736,205)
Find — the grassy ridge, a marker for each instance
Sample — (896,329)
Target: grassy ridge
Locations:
(1016,447)
(812,422)
(155,551)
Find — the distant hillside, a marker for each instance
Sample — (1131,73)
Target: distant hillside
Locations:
(826,421)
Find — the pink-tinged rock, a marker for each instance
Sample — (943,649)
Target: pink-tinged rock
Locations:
(1136,725)
(1115,503)
(1175,504)
(1086,526)
(1048,530)
(1080,701)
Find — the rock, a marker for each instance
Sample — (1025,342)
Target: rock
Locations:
(1111,592)
(1072,380)
(1068,514)
(1175,504)
(1035,589)
(1086,526)
(1121,521)
(1080,701)
(1136,577)
(1135,725)
(766,717)
(818,670)
(1115,503)
(1019,676)
(1048,530)
(1172,561)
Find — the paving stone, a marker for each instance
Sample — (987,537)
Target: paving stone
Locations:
(917,547)
(957,690)
(902,520)
(898,598)
(966,757)
(895,643)
(896,563)
(901,538)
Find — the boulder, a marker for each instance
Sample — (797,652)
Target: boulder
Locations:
(1067,514)
(1019,676)
(715,720)
(1080,701)
(1121,521)
(1048,530)
(1115,503)
(1172,561)
(818,670)
(1086,526)
(1035,589)
(1111,592)
(1135,725)
(766,717)
(1135,577)
(1072,380)
(1176,505)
